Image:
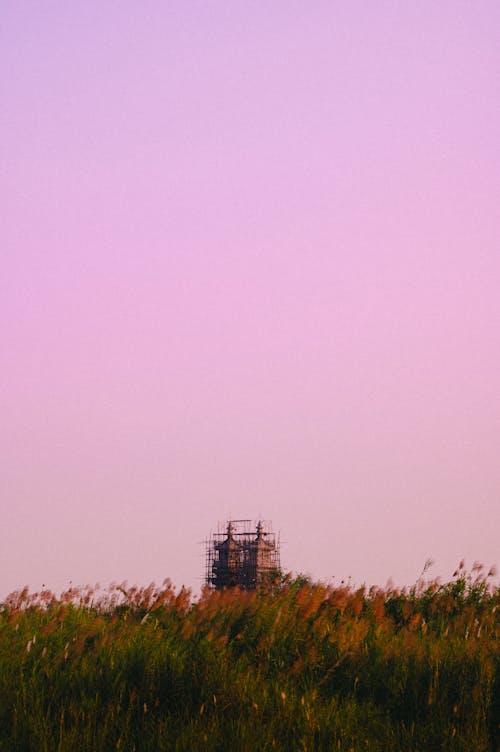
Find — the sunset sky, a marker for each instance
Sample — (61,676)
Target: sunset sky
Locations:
(250,267)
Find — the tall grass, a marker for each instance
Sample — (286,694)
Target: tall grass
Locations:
(299,666)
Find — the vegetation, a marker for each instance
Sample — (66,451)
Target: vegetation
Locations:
(298,666)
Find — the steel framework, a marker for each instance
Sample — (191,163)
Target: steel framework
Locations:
(242,553)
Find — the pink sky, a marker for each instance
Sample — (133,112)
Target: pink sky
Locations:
(250,266)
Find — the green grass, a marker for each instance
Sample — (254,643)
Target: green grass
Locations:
(300,666)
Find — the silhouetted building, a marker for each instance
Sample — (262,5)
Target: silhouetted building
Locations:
(242,553)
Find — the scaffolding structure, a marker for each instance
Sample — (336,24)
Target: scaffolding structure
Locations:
(242,553)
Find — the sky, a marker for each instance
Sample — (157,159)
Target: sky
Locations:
(249,268)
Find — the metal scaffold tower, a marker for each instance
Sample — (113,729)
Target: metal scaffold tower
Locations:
(242,553)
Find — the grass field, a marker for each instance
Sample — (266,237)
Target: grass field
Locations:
(297,666)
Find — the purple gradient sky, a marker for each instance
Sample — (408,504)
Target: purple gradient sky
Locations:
(250,265)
